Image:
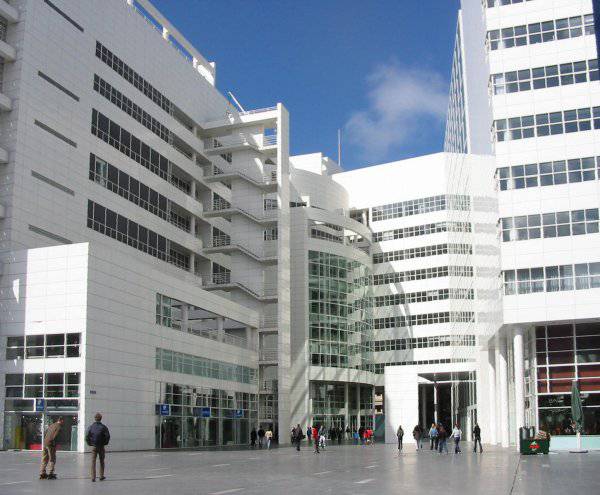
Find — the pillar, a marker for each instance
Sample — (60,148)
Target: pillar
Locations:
(192,267)
(358,406)
(423,408)
(502,370)
(184,318)
(193,189)
(492,401)
(435,403)
(347,406)
(518,364)
(250,338)
(220,329)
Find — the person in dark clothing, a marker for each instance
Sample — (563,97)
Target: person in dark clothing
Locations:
(348,433)
(97,437)
(340,434)
(400,436)
(297,436)
(253,438)
(49,449)
(361,434)
(477,438)
(308,434)
(442,439)
(261,437)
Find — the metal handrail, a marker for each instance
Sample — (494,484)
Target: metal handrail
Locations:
(257,110)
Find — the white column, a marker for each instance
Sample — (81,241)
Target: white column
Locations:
(435,403)
(250,338)
(502,370)
(492,400)
(184,318)
(358,406)
(519,380)
(192,267)
(220,329)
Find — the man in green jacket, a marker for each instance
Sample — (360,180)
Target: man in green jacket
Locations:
(49,450)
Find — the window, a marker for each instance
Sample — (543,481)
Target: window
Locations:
(134,148)
(552,278)
(540,32)
(545,77)
(269,204)
(422,274)
(118,227)
(37,385)
(418,206)
(422,252)
(209,368)
(547,124)
(43,346)
(271,234)
(549,173)
(559,224)
(419,230)
(424,319)
(424,342)
(500,3)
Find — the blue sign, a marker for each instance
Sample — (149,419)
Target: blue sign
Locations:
(165,409)
(205,412)
(40,405)
(239,413)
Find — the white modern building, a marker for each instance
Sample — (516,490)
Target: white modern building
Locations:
(166,262)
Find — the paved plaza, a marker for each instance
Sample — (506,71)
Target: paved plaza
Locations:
(341,469)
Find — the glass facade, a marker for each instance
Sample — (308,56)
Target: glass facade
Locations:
(340,312)
(339,405)
(565,353)
(201,417)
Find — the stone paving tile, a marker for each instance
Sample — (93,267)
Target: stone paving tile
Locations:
(339,470)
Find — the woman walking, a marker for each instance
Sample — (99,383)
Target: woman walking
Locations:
(433,433)
(417,434)
(456,435)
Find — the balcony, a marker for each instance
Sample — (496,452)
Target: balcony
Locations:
(223,244)
(223,281)
(239,142)
(268,355)
(221,210)
(267,182)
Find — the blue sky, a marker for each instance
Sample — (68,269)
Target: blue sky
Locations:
(377,69)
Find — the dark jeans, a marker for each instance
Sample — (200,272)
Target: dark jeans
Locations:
(456,445)
(400,443)
(433,442)
(442,446)
(475,442)
(97,452)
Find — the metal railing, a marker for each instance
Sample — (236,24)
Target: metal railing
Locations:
(270,140)
(268,321)
(268,355)
(216,279)
(221,240)
(257,110)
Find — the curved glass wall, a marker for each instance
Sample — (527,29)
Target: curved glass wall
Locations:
(340,312)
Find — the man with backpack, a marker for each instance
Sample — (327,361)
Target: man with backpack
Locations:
(97,437)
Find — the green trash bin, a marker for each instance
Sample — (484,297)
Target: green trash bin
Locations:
(532,446)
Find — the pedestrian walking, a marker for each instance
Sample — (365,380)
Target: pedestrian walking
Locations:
(456,436)
(269,437)
(315,437)
(355,437)
(261,437)
(348,432)
(49,450)
(400,435)
(340,434)
(417,435)
(322,438)
(308,434)
(97,437)
(477,438)
(433,433)
(361,435)
(442,438)
(253,438)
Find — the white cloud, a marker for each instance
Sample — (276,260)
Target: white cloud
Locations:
(404,106)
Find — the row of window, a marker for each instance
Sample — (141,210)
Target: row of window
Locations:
(117,181)
(54,345)
(270,234)
(549,173)
(423,319)
(547,124)
(422,252)
(187,364)
(419,230)
(379,368)
(558,224)
(130,108)
(549,76)
(134,148)
(419,206)
(107,222)
(34,385)
(500,3)
(121,68)
(423,342)
(540,32)
(422,274)
(552,278)
(422,296)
